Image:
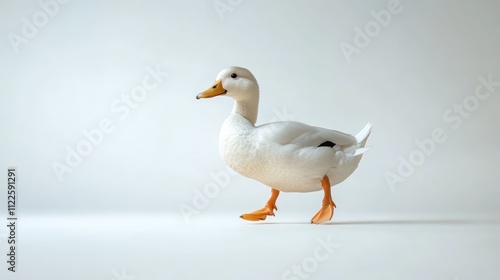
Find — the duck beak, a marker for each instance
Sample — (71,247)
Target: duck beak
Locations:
(215,90)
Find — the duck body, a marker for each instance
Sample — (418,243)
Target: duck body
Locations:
(289,156)
(286,156)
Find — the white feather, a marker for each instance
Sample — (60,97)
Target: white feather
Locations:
(283,155)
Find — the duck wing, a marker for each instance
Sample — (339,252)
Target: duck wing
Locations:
(302,135)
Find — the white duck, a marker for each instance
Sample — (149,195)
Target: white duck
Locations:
(286,156)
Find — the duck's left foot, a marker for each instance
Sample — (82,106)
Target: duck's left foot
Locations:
(324,214)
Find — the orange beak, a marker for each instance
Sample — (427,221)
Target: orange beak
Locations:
(215,90)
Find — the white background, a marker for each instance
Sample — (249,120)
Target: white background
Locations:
(120,207)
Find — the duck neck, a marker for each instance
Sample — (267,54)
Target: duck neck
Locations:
(248,109)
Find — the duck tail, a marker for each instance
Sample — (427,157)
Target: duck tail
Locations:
(351,157)
(361,138)
(364,133)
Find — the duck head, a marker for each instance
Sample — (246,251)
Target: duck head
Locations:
(235,82)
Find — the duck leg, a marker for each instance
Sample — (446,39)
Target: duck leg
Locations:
(268,210)
(326,212)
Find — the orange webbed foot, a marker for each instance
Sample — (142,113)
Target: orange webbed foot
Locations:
(268,210)
(260,214)
(324,214)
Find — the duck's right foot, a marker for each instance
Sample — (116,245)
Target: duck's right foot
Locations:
(268,210)
(260,214)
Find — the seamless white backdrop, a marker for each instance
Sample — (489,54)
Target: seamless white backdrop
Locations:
(65,79)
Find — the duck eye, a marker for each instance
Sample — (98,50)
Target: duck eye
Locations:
(234,75)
